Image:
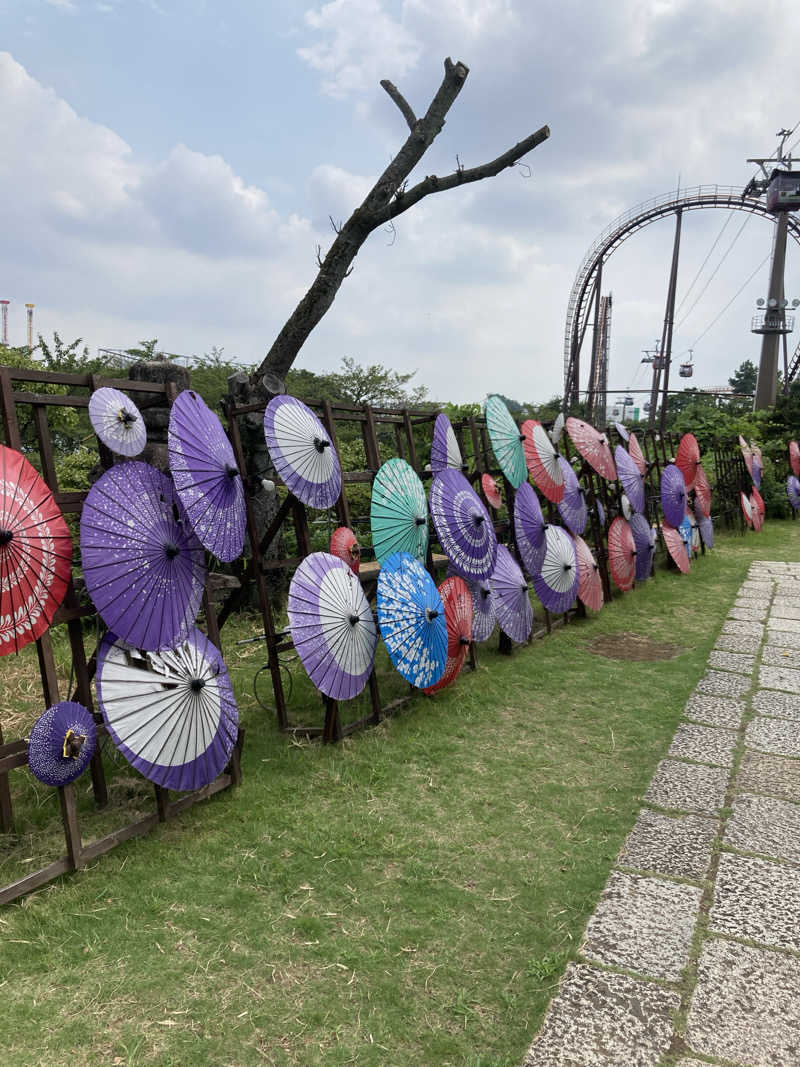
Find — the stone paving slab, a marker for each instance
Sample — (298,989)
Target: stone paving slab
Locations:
(777,736)
(779,678)
(677,846)
(745,1008)
(780,657)
(703,744)
(785,611)
(786,601)
(688,787)
(772,775)
(765,824)
(778,705)
(757,900)
(781,639)
(731,661)
(643,925)
(723,684)
(747,614)
(738,643)
(750,629)
(715,711)
(754,603)
(791,626)
(599,1019)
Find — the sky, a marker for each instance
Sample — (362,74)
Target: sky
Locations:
(168,169)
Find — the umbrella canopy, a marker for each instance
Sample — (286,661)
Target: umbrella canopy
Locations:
(747,508)
(344,544)
(687,459)
(758,510)
(506,439)
(557,428)
(458,611)
(631,479)
(117,421)
(332,625)
(627,507)
(491,492)
(758,471)
(301,451)
(706,530)
(483,618)
(794,457)
(206,476)
(444,447)
(35,553)
(412,620)
(144,567)
(622,431)
(593,446)
(62,743)
(462,523)
(793,491)
(675,546)
(590,588)
(543,460)
(673,495)
(601,512)
(695,531)
(572,507)
(702,492)
(398,511)
(685,530)
(747,454)
(172,714)
(512,604)
(529,527)
(622,553)
(557,581)
(636,454)
(645,542)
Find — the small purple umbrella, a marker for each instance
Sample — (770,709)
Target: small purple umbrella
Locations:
(117,421)
(792,491)
(572,506)
(758,470)
(558,579)
(465,530)
(145,570)
(512,604)
(706,529)
(172,714)
(673,495)
(206,476)
(332,626)
(632,481)
(62,743)
(622,431)
(444,446)
(302,452)
(645,541)
(484,619)
(529,527)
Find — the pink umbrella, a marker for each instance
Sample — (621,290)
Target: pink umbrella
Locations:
(593,446)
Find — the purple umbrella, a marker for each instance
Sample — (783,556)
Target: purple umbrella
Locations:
(302,452)
(117,421)
(632,481)
(645,541)
(465,530)
(673,495)
(483,621)
(757,473)
(558,579)
(62,743)
(172,714)
(144,568)
(792,491)
(622,431)
(529,527)
(512,604)
(572,506)
(444,447)
(332,625)
(706,529)
(206,476)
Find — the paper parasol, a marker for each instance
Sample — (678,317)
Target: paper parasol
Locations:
(702,492)
(636,454)
(458,611)
(398,511)
(673,495)
(35,553)
(512,604)
(685,530)
(747,454)
(631,479)
(543,460)
(601,512)
(206,476)
(145,570)
(332,626)
(557,428)
(706,530)
(758,471)
(757,510)
(627,507)
(645,541)
(462,523)
(444,447)
(687,459)
(302,452)
(62,743)
(344,544)
(483,620)
(793,491)
(590,588)
(529,527)
(695,527)
(412,621)
(593,446)
(172,714)
(622,553)
(557,581)
(675,546)
(747,508)
(506,439)
(572,507)
(491,492)
(117,421)
(794,457)
(622,431)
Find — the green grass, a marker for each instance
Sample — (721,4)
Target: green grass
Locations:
(410,896)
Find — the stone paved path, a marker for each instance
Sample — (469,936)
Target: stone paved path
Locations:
(693,954)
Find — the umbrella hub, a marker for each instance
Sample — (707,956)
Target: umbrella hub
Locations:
(321,444)
(197,684)
(478,518)
(73,743)
(353,619)
(171,550)
(127,418)
(522,437)
(6,537)
(419,520)
(431,614)
(567,566)
(232,472)
(486,593)
(463,640)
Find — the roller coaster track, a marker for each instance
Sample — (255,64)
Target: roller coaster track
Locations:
(580,301)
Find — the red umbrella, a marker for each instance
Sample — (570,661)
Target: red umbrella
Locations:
(794,457)
(593,446)
(622,553)
(675,546)
(702,492)
(590,590)
(759,511)
(344,545)
(542,458)
(688,458)
(35,553)
(747,508)
(458,613)
(491,492)
(635,450)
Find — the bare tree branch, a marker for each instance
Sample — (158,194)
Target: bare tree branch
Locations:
(401,102)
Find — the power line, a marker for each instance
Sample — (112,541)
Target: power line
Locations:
(700,271)
(716,269)
(738,291)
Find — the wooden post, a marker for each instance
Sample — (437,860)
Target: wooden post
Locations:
(69,817)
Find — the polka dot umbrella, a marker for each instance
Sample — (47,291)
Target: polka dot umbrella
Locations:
(117,421)
(62,743)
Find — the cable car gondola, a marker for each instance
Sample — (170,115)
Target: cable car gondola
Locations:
(783,191)
(686,370)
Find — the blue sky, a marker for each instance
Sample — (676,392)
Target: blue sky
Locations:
(169,169)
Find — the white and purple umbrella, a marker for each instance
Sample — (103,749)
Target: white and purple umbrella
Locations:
(412,620)
(332,625)
(557,581)
(632,481)
(145,569)
(172,714)
(484,619)
(62,743)
(302,452)
(445,452)
(673,495)
(512,604)
(645,541)
(572,507)
(206,476)
(462,523)
(529,527)
(117,421)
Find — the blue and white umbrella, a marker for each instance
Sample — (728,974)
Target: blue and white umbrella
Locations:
(412,620)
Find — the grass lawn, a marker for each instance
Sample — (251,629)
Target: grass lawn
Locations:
(410,896)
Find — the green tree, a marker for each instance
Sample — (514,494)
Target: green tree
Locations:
(146,350)
(744,377)
(376,385)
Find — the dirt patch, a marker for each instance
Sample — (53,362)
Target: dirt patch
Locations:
(633,647)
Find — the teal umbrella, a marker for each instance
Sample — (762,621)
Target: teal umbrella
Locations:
(398,512)
(507,441)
